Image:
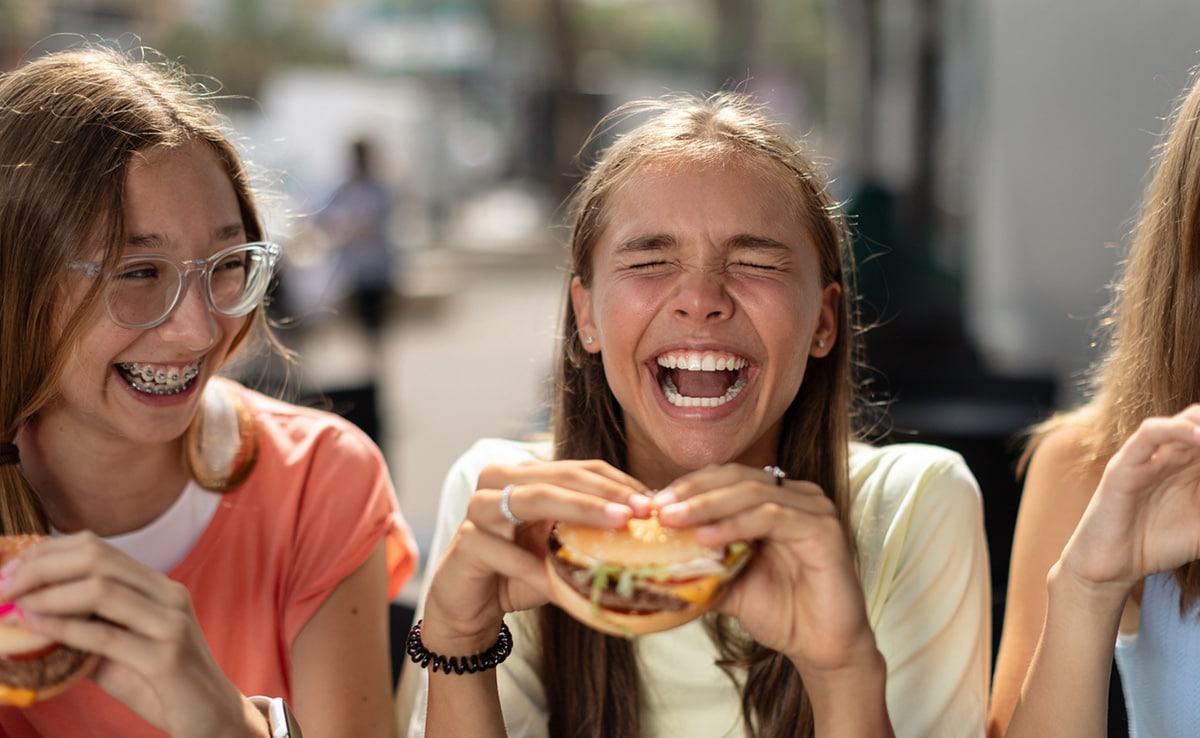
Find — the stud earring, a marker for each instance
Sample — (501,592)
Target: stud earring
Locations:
(589,340)
(820,343)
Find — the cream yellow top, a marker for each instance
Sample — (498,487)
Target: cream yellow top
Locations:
(918,520)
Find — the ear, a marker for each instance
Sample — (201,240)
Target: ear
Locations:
(581,303)
(827,321)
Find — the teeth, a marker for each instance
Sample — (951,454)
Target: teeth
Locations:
(701,361)
(158,380)
(678,400)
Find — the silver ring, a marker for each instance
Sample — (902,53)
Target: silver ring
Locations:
(776,472)
(504,508)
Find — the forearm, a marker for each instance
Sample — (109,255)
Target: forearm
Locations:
(462,705)
(1071,666)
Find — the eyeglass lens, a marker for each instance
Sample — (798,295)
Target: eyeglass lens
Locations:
(145,289)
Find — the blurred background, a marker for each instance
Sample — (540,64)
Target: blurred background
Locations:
(416,152)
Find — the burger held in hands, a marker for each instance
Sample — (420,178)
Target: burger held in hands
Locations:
(640,579)
(32,666)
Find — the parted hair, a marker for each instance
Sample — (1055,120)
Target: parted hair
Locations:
(70,122)
(591,680)
(1149,359)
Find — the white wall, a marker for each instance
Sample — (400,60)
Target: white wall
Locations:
(1072,98)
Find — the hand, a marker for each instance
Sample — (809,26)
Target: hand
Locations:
(83,592)
(800,594)
(1145,515)
(491,567)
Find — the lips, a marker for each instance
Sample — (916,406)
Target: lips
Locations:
(694,378)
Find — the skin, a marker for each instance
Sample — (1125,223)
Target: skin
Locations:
(1141,519)
(126,468)
(698,258)
(703,259)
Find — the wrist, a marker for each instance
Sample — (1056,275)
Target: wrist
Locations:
(1081,594)
(851,700)
(443,633)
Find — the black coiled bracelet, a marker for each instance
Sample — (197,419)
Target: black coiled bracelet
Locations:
(489,659)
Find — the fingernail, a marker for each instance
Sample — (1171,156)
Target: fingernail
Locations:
(9,567)
(665,496)
(675,509)
(640,504)
(11,612)
(616,514)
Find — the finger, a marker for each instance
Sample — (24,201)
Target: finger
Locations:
(161,617)
(541,501)
(592,476)
(59,560)
(1154,433)
(720,502)
(705,480)
(144,653)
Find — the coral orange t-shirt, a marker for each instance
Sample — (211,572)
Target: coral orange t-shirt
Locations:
(313,507)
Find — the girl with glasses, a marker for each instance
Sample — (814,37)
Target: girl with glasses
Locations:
(217,549)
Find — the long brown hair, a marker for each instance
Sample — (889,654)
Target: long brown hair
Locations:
(1150,359)
(591,680)
(69,124)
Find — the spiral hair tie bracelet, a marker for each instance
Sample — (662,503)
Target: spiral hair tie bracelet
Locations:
(776,472)
(489,659)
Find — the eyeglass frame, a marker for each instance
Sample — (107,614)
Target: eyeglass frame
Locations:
(272,250)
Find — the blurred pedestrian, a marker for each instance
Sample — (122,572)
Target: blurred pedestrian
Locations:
(364,257)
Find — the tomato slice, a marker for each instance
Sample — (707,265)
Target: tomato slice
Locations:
(36,653)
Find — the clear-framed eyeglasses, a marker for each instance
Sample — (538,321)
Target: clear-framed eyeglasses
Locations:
(146,288)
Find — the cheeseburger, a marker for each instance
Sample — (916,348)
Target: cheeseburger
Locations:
(640,579)
(33,667)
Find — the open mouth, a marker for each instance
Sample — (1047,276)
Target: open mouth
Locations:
(159,379)
(701,378)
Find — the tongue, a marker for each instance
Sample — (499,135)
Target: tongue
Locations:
(703,384)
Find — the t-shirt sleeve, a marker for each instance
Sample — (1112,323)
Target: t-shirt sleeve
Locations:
(348,506)
(929,596)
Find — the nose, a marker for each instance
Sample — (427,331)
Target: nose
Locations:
(191,323)
(701,296)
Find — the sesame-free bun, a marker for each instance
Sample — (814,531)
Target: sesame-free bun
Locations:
(613,622)
(640,579)
(32,666)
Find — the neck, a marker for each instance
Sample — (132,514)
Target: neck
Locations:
(106,486)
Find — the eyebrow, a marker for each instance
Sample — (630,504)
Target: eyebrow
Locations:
(751,242)
(155,241)
(662,241)
(655,242)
